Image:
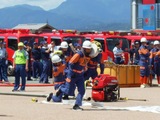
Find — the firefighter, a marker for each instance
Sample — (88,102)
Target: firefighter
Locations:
(75,47)
(118,54)
(157,66)
(36,64)
(77,66)
(60,85)
(20,64)
(66,51)
(153,52)
(96,58)
(28,49)
(3,65)
(131,52)
(45,51)
(144,62)
(136,53)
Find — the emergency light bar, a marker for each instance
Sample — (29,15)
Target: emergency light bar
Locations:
(19,31)
(88,32)
(67,31)
(110,33)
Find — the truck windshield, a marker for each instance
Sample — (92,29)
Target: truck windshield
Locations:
(101,40)
(13,43)
(57,40)
(74,39)
(31,39)
(112,41)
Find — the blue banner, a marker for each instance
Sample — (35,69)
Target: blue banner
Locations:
(149,17)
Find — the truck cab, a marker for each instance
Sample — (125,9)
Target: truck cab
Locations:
(11,37)
(58,36)
(132,38)
(108,40)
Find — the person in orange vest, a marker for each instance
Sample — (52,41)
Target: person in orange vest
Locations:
(144,62)
(77,66)
(60,84)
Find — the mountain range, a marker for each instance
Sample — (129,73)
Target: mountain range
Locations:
(72,14)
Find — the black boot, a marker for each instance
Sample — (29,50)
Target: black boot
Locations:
(49,97)
(76,107)
(65,97)
(58,92)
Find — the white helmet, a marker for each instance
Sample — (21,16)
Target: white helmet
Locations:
(143,39)
(87,44)
(56,59)
(94,51)
(64,44)
(156,42)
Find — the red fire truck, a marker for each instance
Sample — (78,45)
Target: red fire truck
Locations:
(12,37)
(108,40)
(58,36)
(150,36)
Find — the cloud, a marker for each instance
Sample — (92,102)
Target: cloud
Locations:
(45,4)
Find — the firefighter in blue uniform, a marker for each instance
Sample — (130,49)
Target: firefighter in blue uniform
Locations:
(96,58)
(36,64)
(136,53)
(3,66)
(66,52)
(20,64)
(28,49)
(131,52)
(77,65)
(152,55)
(45,51)
(144,62)
(157,66)
(60,84)
(153,61)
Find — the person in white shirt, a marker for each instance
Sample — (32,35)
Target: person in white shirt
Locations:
(118,54)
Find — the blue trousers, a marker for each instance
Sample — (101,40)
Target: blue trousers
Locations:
(79,82)
(144,68)
(28,73)
(45,71)
(37,68)
(20,72)
(90,73)
(3,70)
(64,88)
(119,60)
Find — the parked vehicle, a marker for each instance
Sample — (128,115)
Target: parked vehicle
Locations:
(12,37)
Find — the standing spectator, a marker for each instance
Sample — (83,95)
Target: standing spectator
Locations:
(3,66)
(20,64)
(45,51)
(118,54)
(136,54)
(53,47)
(28,49)
(131,52)
(36,64)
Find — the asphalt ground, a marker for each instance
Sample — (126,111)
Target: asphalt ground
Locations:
(23,108)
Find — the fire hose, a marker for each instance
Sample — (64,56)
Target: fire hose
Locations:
(125,98)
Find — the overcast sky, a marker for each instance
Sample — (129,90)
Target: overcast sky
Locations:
(45,4)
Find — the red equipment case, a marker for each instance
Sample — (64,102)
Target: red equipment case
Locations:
(105,88)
